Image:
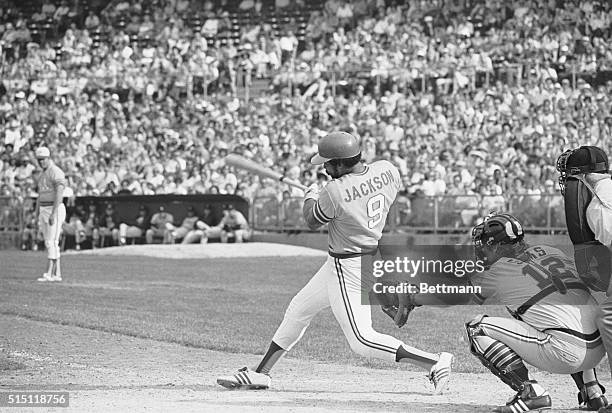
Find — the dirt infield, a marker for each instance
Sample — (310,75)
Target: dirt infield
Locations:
(188,301)
(110,372)
(198,251)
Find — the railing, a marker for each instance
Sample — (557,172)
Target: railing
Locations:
(12,214)
(447,213)
(437,214)
(270,214)
(454,80)
(513,74)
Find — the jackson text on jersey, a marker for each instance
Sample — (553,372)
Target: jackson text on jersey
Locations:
(369,186)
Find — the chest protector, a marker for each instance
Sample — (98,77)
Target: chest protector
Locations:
(593,259)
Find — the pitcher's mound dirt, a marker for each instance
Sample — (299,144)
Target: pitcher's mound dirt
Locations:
(215,250)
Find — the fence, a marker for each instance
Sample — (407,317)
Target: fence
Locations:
(455,79)
(448,213)
(12,213)
(242,81)
(439,214)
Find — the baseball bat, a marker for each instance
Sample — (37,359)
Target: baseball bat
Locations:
(248,165)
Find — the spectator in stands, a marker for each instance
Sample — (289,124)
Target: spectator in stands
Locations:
(466,203)
(125,188)
(432,86)
(159,225)
(490,200)
(291,210)
(433,184)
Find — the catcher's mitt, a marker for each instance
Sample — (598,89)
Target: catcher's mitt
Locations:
(398,307)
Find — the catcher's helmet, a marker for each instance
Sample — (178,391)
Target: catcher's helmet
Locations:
(583,160)
(336,145)
(496,230)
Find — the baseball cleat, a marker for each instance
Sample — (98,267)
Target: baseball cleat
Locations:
(56,278)
(526,400)
(46,277)
(595,401)
(440,372)
(245,379)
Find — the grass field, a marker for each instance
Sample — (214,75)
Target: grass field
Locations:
(152,334)
(231,305)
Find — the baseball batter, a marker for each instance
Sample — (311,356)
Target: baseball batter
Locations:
(555,316)
(355,205)
(50,210)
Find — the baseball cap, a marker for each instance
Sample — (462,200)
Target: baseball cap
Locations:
(42,152)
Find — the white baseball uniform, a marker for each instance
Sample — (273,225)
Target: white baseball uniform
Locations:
(355,206)
(556,331)
(48,182)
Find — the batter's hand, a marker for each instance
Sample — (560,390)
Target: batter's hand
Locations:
(312,192)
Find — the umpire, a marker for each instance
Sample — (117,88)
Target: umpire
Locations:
(586,186)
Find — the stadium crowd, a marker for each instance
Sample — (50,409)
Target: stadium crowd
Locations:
(466,97)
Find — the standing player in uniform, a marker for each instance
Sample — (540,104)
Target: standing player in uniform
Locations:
(587,192)
(355,204)
(50,210)
(555,317)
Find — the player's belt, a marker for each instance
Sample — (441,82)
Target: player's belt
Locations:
(583,336)
(46,203)
(352,254)
(572,285)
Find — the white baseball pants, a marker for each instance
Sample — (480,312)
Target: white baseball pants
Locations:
(51,233)
(553,351)
(338,284)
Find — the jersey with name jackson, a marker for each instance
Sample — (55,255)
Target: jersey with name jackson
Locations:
(512,282)
(356,207)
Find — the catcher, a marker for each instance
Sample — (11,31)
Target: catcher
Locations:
(553,329)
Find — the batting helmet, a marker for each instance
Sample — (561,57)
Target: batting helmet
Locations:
(336,145)
(583,160)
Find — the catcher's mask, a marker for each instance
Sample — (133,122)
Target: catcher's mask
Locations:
(491,237)
(583,160)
